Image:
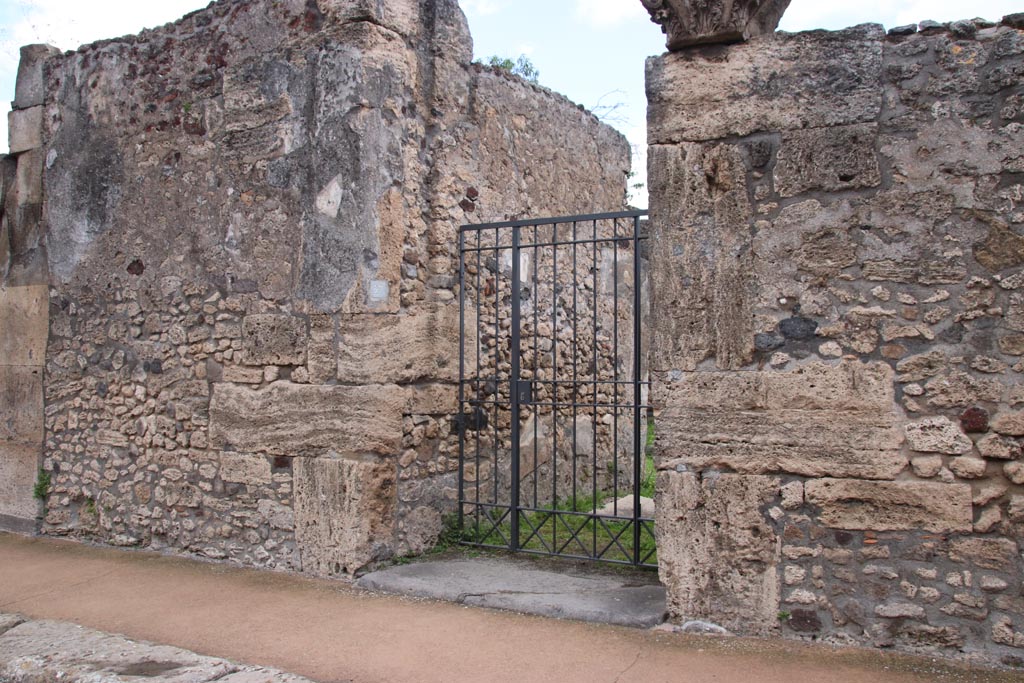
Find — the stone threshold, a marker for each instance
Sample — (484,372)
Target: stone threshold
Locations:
(547,587)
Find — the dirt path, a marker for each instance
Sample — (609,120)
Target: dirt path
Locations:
(329,631)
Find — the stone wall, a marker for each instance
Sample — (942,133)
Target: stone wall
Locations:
(23,299)
(838,335)
(251,225)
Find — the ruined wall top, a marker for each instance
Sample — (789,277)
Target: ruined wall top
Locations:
(696,22)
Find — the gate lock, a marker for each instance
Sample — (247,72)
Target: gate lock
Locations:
(524,391)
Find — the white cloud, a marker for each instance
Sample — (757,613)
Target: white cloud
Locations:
(609,13)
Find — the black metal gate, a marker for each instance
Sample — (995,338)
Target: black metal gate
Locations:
(552,394)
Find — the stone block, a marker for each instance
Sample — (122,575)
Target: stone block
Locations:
(849,386)
(789,82)
(296,419)
(240,375)
(30,87)
(687,23)
(322,351)
(808,443)
(241,468)
(1010,423)
(718,551)
(827,160)
(433,399)
(818,420)
(21,404)
(25,129)
(344,514)
(891,506)
(19,468)
(29,180)
(401,348)
(703,219)
(271,339)
(998,554)
(24,319)
(937,435)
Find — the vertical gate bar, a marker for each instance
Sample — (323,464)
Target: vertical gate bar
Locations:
(496,498)
(479,366)
(513,389)
(462,372)
(575,353)
(636,389)
(593,360)
(554,385)
(537,365)
(615,361)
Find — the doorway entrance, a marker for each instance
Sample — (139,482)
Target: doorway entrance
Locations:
(553,398)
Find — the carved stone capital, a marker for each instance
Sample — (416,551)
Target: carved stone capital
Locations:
(696,22)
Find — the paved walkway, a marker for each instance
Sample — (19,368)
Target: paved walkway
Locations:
(330,631)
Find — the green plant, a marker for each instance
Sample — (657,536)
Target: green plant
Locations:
(42,487)
(784,615)
(649,475)
(90,506)
(522,66)
(451,533)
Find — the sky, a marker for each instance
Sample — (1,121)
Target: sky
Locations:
(592,51)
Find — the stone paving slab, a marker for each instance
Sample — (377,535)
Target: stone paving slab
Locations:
(40,651)
(623,600)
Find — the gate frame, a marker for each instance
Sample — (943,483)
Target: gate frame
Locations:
(516,397)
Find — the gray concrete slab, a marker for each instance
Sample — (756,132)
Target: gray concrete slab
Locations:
(566,593)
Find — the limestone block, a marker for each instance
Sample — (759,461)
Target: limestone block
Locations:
(1009,423)
(344,514)
(817,420)
(19,467)
(241,468)
(960,389)
(703,219)
(25,129)
(401,348)
(30,88)
(968,468)
(293,419)
(21,404)
(686,22)
(828,160)
(937,435)
(322,351)
(998,448)
(808,443)
(433,399)
(849,386)
(791,82)
(998,554)
(271,339)
(29,180)
(718,551)
(891,506)
(24,319)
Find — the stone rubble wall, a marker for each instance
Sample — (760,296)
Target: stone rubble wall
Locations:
(838,335)
(251,222)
